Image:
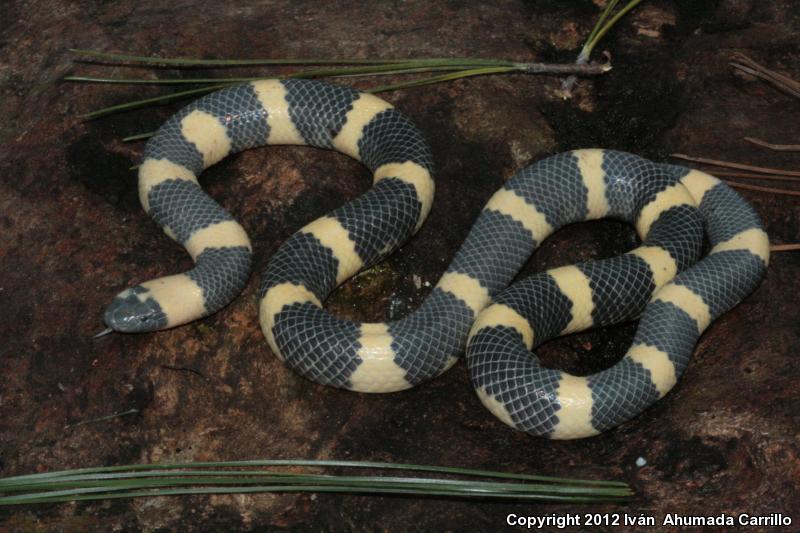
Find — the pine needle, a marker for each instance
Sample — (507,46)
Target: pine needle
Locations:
(771,190)
(741,166)
(442,78)
(194,62)
(154,81)
(749,66)
(138,137)
(237,477)
(127,106)
(776,147)
(785,247)
(601,27)
(458,68)
(103,418)
(595,36)
(755,176)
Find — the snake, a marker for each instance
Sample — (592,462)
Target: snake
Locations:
(472,309)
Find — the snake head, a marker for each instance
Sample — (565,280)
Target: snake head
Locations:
(135,311)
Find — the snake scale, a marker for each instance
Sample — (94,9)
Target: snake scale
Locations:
(661,281)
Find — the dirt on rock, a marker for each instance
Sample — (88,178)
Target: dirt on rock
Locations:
(72,234)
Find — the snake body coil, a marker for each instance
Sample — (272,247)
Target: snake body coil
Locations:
(669,206)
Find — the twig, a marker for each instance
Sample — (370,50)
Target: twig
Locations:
(578,69)
(185,369)
(758,188)
(740,166)
(601,27)
(785,247)
(776,147)
(102,418)
(754,176)
(750,66)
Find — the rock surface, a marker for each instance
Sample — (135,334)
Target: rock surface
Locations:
(72,234)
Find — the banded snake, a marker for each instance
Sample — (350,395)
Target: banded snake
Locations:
(670,207)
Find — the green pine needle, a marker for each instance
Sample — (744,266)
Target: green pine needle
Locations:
(602,27)
(127,106)
(155,81)
(194,62)
(465,73)
(239,477)
(477,67)
(456,67)
(138,137)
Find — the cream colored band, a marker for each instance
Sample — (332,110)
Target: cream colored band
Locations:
(691,303)
(513,205)
(502,315)
(754,240)
(495,407)
(575,285)
(590,164)
(180,298)
(377,372)
(466,289)
(364,109)
(333,235)
(208,134)
(272,96)
(274,301)
(662,371)
(155,171)
(223,234)
(415,175)
(698,183)
(575,415)
(672,196)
